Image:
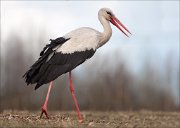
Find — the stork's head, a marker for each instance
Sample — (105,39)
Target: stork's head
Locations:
(109,16)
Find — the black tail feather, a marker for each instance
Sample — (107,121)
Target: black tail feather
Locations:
(32,75)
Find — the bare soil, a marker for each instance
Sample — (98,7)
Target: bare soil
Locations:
(121,119)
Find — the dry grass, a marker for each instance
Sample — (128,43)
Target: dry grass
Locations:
(119,119)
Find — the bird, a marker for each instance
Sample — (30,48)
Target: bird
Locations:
(65,53)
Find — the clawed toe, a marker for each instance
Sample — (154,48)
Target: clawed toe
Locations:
(44,110)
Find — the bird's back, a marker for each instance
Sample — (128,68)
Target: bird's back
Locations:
(80,39)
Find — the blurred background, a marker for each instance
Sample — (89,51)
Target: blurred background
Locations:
(140,72)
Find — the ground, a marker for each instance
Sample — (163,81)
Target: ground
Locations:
(121,119)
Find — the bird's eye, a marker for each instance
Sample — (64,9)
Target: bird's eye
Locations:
(109,13)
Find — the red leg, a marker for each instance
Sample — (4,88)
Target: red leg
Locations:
(44,107)
(74,98)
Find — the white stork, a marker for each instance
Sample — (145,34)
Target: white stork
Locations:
(65,53)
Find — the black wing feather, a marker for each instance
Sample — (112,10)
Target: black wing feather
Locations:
(31,74)
(45,70)
(53,44)
(61,63)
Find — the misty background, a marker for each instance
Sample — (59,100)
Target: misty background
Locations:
(140,72)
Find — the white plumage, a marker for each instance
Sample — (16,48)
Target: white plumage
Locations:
(80,40)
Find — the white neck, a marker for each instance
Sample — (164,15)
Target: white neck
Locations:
(105,36)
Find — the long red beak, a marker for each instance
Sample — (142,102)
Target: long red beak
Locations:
(120,26)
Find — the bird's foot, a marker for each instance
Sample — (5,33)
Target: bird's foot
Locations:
(81,120)
(44,110)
